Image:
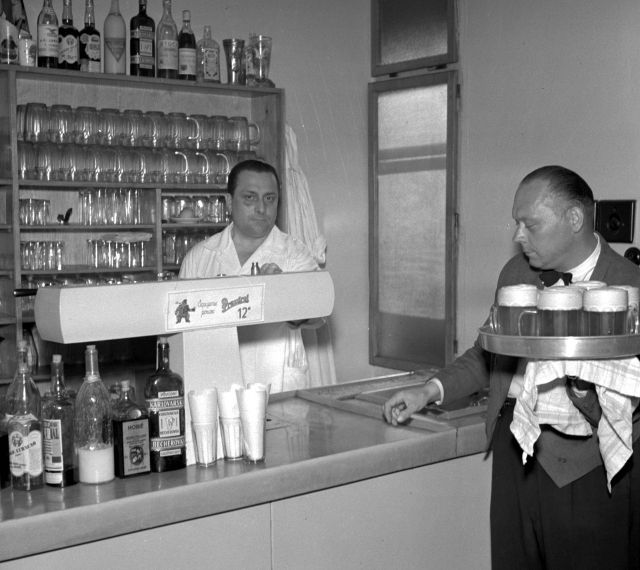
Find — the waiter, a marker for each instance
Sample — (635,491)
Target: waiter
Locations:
(554,512)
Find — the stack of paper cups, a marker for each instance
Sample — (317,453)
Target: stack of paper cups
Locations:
(203,406)
(230,424)
(252,402)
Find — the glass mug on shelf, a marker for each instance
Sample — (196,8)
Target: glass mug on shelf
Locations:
(606,311)
(513,302)
(239,134)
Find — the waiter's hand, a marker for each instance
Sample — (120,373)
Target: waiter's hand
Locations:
(269,268)
(399,408)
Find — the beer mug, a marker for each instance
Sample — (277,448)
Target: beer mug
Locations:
(605,311)
(559,311)
(513,302)
(633,313)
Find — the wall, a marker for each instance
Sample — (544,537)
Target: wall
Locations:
(542,83)
(321,58)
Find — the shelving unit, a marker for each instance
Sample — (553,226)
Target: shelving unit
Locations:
(19,86)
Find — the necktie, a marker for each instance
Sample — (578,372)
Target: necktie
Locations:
(551,277)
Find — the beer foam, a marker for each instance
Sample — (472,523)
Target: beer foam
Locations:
(605,300)
(518,295)
(633,294)
(587,285)
(560,298)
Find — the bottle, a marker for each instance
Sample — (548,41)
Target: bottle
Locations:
(93,427)
(68,40)
(164,396)
(26,46)
(208,63)
(24,428)
(47,36)
(90,46)
(186,49)
(32,353)
(58,430)
(142,43)
(130,435)
(115,39)
(167,44)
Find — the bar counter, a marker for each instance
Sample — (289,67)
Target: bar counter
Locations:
(315,455)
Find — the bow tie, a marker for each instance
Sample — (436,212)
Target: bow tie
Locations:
(551,277)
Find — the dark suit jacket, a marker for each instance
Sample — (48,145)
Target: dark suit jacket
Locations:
(564,458)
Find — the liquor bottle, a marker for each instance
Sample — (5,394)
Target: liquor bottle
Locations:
(68,40)
(23,427)
(58,430)
(32,353)
(142,43)
(167,44)
(115,40)
(90,46)
(186,49)
(164,396)
(130,434)
(26,46)
(47,36)
(93,427)
(208,64)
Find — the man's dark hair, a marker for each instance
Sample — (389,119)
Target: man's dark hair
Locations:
(251,166)
(566,184)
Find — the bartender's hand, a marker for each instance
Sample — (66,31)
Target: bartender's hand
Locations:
(399,408)
(269,268)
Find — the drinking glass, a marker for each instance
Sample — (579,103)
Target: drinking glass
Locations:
(184,130)
(218,126)
(27,160)
(261,54)
(61,123)
(87,125)
(512,302)
(234,52)
(559,311)
(605,311)
(20,121)
(161,128)
(239,134)
(36,122)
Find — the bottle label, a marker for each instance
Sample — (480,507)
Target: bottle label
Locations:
(135,446)
(168,54)
(53,456)
(166,420)
(187,61)
(25,453)
(90,53)
(115,46)
(47,41)
(144,56)
(68,50)
(211,64)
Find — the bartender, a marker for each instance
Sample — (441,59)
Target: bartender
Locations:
(556,510)
(270,353)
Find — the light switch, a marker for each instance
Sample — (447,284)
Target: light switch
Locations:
(615,220)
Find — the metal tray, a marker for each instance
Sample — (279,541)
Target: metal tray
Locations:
(561,347)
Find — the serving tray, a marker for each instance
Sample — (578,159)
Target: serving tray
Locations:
(560,347)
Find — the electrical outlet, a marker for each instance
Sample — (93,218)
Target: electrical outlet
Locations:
(615,220)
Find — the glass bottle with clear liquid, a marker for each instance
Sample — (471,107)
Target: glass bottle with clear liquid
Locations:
(115,41)
(208,58)
(142,43)
(24,428)
(93,425)
(167,44)
(90,45)
(164,396)
(47,36)
(58,430)
(68,40)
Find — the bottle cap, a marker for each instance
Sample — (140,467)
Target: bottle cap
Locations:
(186,14)
(124,385)
(56,359)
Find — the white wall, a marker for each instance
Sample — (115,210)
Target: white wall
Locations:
(542,83)
(321,58)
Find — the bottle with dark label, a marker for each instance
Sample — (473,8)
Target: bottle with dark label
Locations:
(47,36)
(58,430)
(167,44)
(90,46)
(164,396)
(115,41)
(186,49)
(24,427)
(93,425)
(130,435)
(142,43)
(208,58)
(68,40)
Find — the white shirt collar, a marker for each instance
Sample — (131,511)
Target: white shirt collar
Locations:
(583,271)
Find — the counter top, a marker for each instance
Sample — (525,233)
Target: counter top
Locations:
(310,446)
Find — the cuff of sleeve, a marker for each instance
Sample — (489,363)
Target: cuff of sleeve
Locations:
(438,385)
